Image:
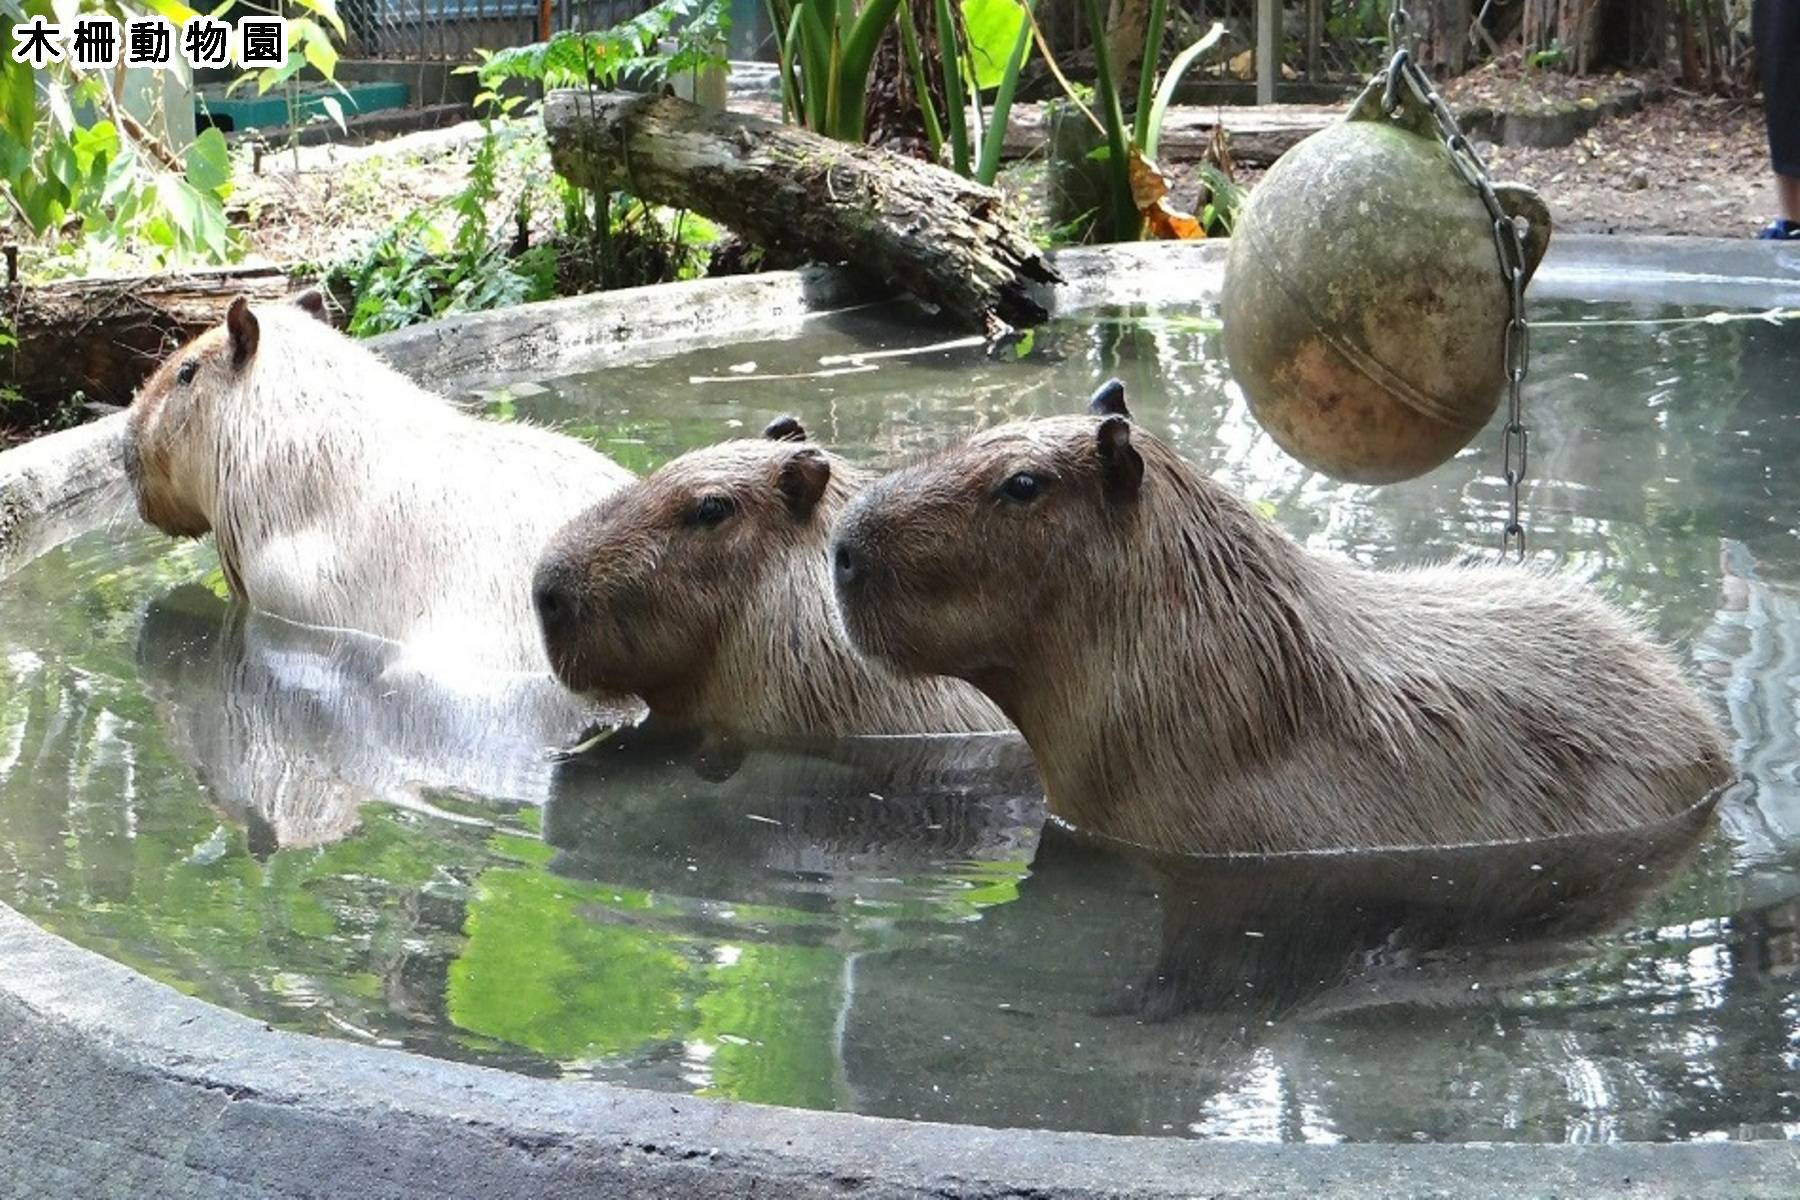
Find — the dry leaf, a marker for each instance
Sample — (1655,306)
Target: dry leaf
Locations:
(1166,222)
(1148,183)
(1150,192)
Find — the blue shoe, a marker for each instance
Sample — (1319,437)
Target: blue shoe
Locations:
(1780,231)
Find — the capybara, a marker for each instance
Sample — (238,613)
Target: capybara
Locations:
(341,494)
(705,589)
(1189,678)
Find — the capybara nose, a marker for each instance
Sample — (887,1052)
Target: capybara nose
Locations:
(843,565)
(555,603)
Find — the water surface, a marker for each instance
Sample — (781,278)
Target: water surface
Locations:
(250,812)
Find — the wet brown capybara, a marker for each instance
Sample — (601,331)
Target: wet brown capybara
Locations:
(341,494)
(705,589)
(1190,678)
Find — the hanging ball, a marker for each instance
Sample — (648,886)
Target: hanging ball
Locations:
(1364,309)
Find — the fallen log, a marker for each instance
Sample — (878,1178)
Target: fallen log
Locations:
(1256,136)
(907,223)
(102,337)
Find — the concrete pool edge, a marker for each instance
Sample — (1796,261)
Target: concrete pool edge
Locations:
(106,1075)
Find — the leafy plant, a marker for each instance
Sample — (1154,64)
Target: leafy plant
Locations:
(1224,196)
(985,50)
(1135,188)
(601,58)
(444,259)
(73,159)
(1552,56)
(602,240)
(826,49)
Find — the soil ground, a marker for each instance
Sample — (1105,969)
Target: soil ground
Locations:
(1683,165)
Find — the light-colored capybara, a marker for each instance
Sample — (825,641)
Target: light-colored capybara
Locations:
(705,589)
(341,494)
(1190,678)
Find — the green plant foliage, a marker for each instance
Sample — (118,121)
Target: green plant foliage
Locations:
(75,170)
(1225,198)
(443,259)
(536,973)
(1129,145)
(826,51)
(992,30)
(602,58)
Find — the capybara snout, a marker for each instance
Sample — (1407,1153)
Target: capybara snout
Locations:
(556,599)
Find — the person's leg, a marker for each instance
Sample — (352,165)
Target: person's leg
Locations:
(1787,194)
(1775,26)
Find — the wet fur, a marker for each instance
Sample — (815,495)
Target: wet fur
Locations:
(341,494)
(1190,678)
(731,627)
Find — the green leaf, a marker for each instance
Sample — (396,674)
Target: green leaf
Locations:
(1165,95)
(994,29)
(18,95)
(989,167)
(173,11)
(270,77)
(318,50)
(326,9)
(955,109)
(209,162)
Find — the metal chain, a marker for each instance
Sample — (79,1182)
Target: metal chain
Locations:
(1509,243)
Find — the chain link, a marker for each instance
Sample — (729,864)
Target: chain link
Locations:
(1405,81)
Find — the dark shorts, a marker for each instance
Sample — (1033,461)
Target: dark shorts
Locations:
(1776,24)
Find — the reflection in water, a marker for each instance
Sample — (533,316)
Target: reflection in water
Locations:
(1393,927)
(831,817)
(1751,653)
(291,729)
(886,926)
(1261,965)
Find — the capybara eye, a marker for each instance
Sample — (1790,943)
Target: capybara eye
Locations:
(713,509)
(1022,488)
(187,371)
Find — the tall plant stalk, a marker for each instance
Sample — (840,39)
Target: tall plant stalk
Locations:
(1127,225)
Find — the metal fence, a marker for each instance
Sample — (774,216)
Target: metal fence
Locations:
(1323,41)
(452,30)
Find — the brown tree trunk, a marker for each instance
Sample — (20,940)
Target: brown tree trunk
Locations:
(907,223)
(892,118)
(102,337)
(1442,27)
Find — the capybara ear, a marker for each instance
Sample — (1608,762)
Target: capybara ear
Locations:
(1121,466)
(784,429)
(240,323)
(1109,400)
(312,302)
(803,479)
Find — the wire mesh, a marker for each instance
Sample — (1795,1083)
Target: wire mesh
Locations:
(452,30)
